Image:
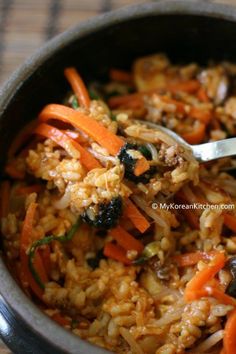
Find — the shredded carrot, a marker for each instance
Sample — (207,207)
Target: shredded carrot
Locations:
(191,258)
(190,86)
(136,217)
(204,276)
(141,166)
(229,335)
(24,190)
(21,138)
(61,320)
(230,221)
(120,75)
(125,240)
(12,171)
(117,101)
(196,136)
(5,198)
(204,116)
(78,86)
(90,126)
(220,295)
(65,141)
(202,95)
(116,252)
(25,240)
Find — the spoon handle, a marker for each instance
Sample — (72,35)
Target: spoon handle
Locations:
(214,150)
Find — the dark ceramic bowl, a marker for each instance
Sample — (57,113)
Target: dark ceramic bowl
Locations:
(185,30)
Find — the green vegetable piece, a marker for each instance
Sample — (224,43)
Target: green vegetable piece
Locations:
(45,241)
(75,103)
(151,249)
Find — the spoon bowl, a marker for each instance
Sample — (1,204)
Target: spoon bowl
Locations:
(202,152)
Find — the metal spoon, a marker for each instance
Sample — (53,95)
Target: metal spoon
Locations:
(202,152)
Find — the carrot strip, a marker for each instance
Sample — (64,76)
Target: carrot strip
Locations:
(23,190)
(136,217)
(220,295)
(196,136)
(202,95)
(125,240)
(203,276)
(117,101)
(189,259)
(141,166)
(64,141)
(204,116)
(120,75)
(230,221)
(5,198)
(12,171)
(25,239)
(190,86)
(61,320)
(116,252)
(78,86)
(229,339)
(90,126)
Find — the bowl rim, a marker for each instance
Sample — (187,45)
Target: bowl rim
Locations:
(25,309)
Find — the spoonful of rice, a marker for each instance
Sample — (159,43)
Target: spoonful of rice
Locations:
(202,152)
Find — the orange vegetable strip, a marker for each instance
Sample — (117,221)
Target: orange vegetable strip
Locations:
(196,136)
(220,295)
(120,75)
(202,95)
(136,217)
(90,126)
(35,188)
(12,171)
(117,101)
(136,103)
(64,141)
(229,335)
(204,276)
(125,240)
(189,259)
(25,240)
(5,198)
(61,320)
(141,166)
(78,86)
(202,115)
(116,252)
(230,221)
(21,138)
(190,86)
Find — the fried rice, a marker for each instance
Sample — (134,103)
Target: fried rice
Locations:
(112,227)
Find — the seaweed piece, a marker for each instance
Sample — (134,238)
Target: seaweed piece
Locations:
(129,162)
(106,216)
